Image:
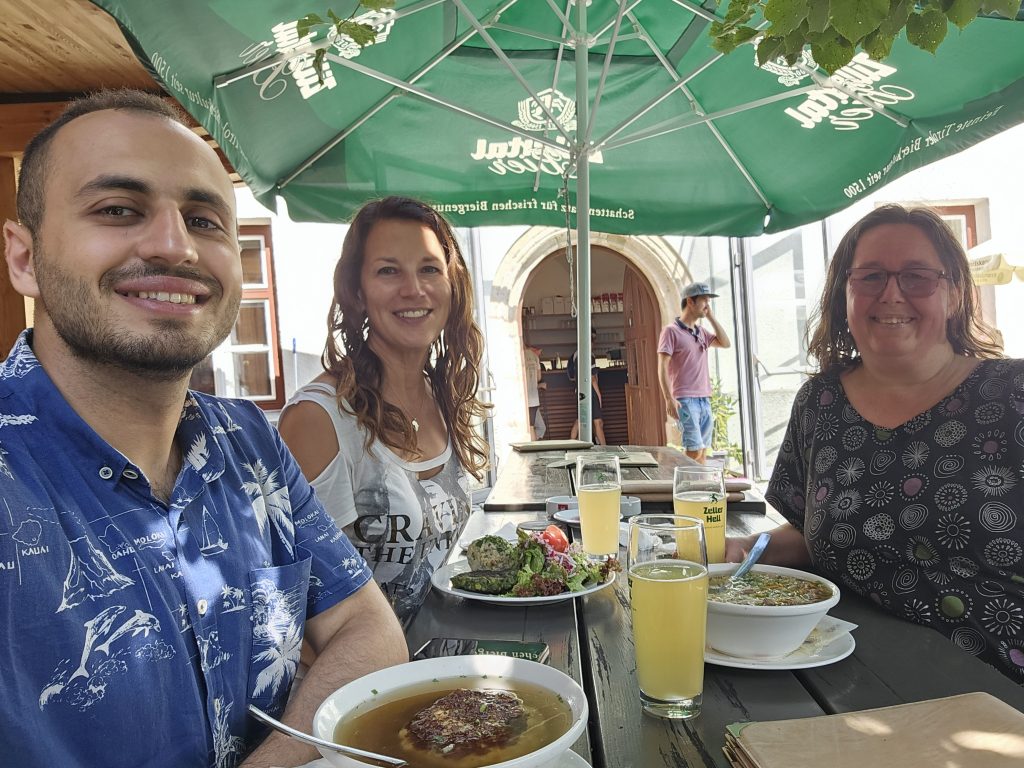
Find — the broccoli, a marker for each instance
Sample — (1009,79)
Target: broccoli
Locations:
(492,553)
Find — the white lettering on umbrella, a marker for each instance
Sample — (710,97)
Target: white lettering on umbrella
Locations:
(856,83)
(520,155)
(300,65)
(301,62)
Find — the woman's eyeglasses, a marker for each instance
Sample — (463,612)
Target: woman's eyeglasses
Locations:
(916,283)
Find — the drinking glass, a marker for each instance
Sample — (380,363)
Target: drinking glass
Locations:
(598,492)
(668,593)
(699,492)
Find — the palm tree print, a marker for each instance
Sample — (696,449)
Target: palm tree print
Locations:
(282,661)
(198,454)
(227,748)
(270,500)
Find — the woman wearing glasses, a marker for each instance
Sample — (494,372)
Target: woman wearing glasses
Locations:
(902,471)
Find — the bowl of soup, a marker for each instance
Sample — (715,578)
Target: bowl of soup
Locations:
(766,614)
(457,712)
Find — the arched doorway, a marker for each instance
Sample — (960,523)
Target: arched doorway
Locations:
(649,272)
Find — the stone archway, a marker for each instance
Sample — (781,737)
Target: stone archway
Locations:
(652,256)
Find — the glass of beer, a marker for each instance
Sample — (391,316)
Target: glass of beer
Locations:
(699,492)
(598,491)
(668,593)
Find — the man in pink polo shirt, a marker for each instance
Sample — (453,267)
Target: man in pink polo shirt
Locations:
(683,368)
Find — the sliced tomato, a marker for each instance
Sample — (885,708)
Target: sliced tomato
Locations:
(555,538)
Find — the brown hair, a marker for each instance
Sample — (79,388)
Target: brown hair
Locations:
(35,161)
(831,342)
(453,365)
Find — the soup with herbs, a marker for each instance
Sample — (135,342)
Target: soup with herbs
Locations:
(462,722)
(761,588)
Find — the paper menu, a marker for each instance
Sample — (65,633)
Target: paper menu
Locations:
(973,730)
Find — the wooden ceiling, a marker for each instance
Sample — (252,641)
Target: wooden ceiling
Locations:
(64,46)
(54,50)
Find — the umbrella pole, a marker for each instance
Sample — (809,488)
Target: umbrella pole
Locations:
(583,375)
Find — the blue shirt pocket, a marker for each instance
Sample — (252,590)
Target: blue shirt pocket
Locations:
(278,598)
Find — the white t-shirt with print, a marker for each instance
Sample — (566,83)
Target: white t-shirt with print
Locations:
(402,525)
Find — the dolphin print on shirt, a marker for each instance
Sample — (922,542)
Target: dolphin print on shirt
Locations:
(101,632)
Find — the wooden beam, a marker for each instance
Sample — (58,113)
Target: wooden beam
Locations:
(20,122)
(12,304)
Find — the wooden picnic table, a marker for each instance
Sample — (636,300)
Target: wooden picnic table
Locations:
(590,639)
(525,480)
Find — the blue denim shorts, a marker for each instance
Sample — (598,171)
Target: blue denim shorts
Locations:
(695,423)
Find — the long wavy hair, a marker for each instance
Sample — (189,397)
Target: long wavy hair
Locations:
(830,341)
(453,364)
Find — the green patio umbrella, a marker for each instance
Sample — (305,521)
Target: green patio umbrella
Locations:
(615,113)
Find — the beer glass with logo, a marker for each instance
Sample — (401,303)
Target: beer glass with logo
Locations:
(598,492)
(668,594)
(699,491)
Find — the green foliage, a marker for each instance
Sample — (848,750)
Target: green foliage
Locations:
(723,408)
(361,34)
(836,29)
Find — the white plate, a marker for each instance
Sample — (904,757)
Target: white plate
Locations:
(442,580)
(568,516)
(838,649)
(629,508)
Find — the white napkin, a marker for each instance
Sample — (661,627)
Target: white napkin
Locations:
(320,762)
(826,631)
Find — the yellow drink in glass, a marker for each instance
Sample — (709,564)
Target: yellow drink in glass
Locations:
(668,593)
(709,507)
(599,518)
(669,600)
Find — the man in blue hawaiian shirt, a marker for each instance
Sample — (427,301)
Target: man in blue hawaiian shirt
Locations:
(161,556)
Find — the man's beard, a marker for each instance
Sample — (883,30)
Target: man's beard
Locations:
(167,353)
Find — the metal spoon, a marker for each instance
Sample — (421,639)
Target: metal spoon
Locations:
(752,556)
(277,725)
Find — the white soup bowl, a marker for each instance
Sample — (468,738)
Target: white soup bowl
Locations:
(376,688)
(764,631)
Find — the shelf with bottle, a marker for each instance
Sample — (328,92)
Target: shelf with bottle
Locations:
(568,322)
(567,314)
(605,334)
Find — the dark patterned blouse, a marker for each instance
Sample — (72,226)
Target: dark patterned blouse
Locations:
(926,519)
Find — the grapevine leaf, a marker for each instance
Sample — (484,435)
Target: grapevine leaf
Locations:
(927,30)
(745,34)
(785,15)
(832,51)
(721,40)
(856,19)
(768,49)
(361,34)
(899,12)
(963,12)
(795,40)
(818,15)
(877,45)
(306,23)
(377,5)
(740,12)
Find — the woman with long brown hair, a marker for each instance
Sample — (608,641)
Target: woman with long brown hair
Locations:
(387,434)
(901,475)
